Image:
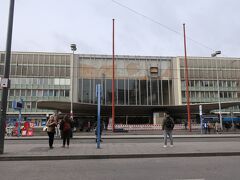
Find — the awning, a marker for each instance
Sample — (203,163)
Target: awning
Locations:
(123,110)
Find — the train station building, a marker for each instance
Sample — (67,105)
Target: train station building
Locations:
(145,86)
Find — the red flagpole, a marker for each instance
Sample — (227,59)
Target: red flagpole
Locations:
(186,79)
(113,79)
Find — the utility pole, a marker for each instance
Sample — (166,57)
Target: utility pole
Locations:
(6,76)
(73,48)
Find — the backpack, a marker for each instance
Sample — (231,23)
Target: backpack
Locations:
(169,124)
(66,126)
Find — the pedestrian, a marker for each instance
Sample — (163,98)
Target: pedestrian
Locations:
(167,127)
(205,125)
(185,124)
(51,124)
(216,127)
(88,126)
(66,126)
(209,127)
(58,134)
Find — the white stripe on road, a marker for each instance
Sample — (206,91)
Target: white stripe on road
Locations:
(190,179)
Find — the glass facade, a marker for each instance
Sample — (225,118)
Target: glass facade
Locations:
(138,80)
(127,92)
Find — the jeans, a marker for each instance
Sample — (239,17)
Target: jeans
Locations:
(66,137)
(169,134)
(51,138)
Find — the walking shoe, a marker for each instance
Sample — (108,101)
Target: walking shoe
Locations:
(171,145)
(165,146)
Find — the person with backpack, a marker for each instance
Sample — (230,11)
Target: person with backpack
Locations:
(167,127)
(66,126)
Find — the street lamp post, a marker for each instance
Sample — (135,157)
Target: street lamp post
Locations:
(219,99)
(4,97)
(73,48)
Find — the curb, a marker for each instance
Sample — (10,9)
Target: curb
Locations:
(130,137)
(114,156)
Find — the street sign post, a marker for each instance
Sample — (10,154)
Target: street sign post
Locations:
(98,94)
(200,113)
(18,105)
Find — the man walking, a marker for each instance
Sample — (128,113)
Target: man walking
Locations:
(167,127)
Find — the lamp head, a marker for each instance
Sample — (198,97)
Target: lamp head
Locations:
(216,53)
(73,47)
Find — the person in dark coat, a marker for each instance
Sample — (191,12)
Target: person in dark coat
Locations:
(167,127)
(66,126)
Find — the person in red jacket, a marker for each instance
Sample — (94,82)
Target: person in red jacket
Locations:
(66,126)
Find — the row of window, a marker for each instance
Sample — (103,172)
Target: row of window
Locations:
(35,70)
(39,93)
(40,81)
(127,91)
(27,105)
(211,94)
(54,59)
(211,63)
(195,73)
(210,83)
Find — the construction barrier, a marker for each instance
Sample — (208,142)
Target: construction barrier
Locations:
(136,127)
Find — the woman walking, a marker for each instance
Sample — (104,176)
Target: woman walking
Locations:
(66,126)
(51,124)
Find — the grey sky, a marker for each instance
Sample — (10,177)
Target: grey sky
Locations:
(51,25)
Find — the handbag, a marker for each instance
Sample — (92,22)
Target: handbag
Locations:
(45,128)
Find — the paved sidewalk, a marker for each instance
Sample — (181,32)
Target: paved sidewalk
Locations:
(37,151)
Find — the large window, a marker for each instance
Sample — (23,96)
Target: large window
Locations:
(166,95)
(86,90)
(127,91)
(143,88)
(154,92)
(132,92)
(80,98)
(120,91)
(108,91)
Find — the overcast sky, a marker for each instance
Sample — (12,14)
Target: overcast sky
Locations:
(142,27)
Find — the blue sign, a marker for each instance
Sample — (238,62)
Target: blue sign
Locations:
(18,104)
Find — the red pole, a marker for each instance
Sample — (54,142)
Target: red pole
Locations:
(113,78)
(186,79)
